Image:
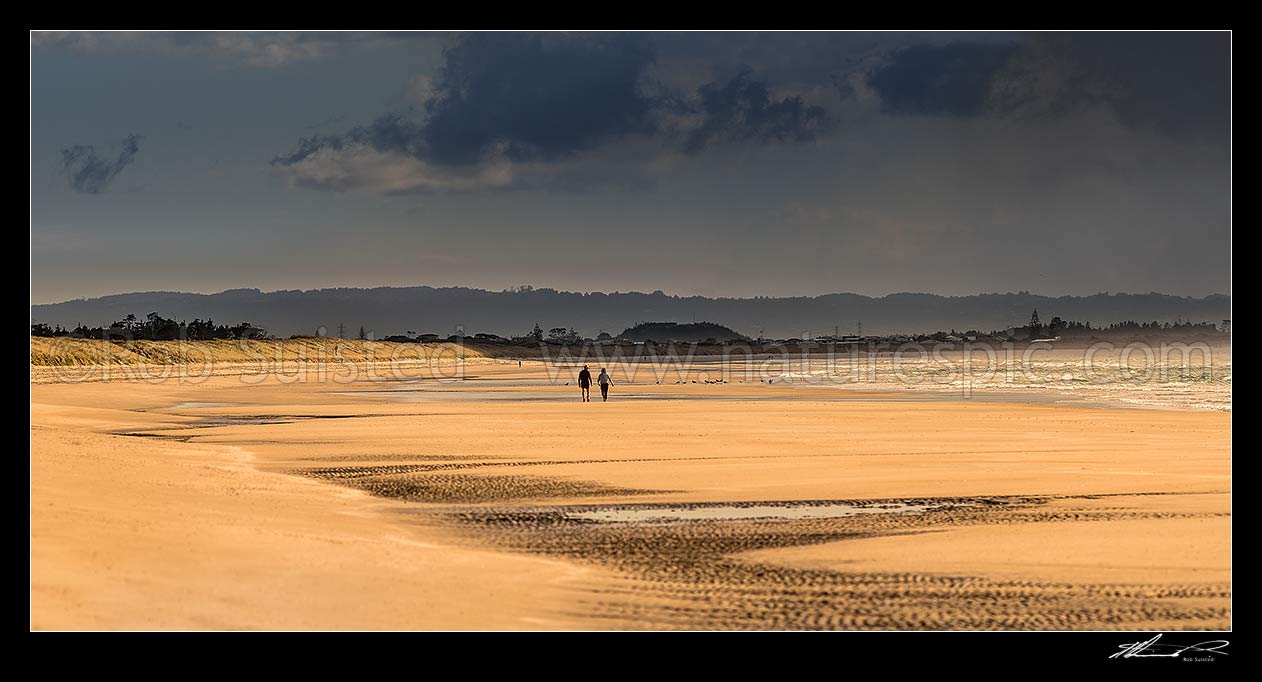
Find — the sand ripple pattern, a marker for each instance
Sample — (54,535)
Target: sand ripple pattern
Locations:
(691,575)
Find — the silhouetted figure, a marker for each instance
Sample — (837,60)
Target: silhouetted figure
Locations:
(605,382)
(585,383)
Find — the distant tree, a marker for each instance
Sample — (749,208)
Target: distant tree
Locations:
(199,330)
(362,334)
(536,334)
(603,336)
(1035,327)
(557,333)
(85,332)
(41,329)
(156,328)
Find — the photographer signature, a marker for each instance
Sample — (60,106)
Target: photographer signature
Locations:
(1152,649)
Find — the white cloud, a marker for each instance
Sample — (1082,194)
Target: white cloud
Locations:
(364,169)
(360,168)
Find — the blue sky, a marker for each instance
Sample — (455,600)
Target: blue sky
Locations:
(711,163)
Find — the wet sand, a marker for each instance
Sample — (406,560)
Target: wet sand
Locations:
(238,503)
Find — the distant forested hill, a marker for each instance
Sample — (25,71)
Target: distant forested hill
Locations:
(394,310)
(673,331)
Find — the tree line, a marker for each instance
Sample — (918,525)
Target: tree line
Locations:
(1058,327)
(1128,327)
(1131,325)
(154,328)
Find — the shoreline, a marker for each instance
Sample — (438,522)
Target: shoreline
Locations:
(885,392)
(1127,379)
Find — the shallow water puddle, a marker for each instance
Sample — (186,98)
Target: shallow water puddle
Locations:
(740,512)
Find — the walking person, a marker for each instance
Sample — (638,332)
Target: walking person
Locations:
(585,383)
(605,382)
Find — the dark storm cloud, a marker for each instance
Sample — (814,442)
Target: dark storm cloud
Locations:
(939,80)
(743,109)
(522,96)
(542,100)
(504,108)
(91,173)
(389,133)
(787,61)
(1179,83)
(540,96)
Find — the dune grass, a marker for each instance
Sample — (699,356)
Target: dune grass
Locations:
(62,351)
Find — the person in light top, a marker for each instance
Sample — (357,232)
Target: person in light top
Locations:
(605,382)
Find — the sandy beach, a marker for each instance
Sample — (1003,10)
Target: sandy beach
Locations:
(308,502)
(913,331)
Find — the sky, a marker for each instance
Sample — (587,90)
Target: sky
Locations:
(720,164)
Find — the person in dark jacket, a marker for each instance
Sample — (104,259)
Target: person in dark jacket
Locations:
(585,383)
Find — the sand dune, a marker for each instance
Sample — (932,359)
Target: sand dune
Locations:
(64,351)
